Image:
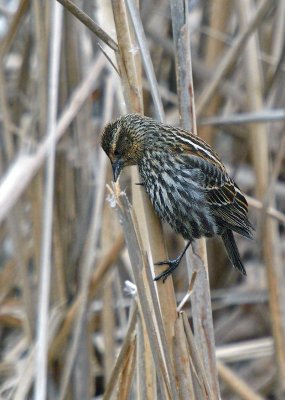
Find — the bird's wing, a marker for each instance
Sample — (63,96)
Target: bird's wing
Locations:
(221,193)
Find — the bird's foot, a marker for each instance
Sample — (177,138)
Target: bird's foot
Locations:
(172,265)
(139,183)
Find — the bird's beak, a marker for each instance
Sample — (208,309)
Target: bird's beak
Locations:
(117,167)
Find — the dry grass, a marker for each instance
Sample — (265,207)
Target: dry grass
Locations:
(80,315)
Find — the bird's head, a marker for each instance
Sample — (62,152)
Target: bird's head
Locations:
(123,142)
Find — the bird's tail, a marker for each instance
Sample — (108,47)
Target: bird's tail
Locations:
(232,250)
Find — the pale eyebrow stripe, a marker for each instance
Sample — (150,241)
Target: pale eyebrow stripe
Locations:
(116,135)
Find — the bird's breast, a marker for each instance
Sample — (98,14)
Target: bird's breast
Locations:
(176,197)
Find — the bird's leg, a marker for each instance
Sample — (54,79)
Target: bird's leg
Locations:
(172,265)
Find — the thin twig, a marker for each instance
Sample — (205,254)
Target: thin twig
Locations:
(87,21)
(245,118)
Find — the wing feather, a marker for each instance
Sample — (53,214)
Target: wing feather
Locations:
(226,201)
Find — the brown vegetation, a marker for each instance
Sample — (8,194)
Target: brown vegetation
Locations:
(80,315)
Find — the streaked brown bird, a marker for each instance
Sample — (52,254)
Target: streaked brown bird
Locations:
(187,183)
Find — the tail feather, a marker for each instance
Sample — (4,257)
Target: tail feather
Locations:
(232,250)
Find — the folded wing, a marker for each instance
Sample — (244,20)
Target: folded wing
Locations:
(225,200)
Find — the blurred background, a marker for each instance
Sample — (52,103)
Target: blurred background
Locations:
(62,248)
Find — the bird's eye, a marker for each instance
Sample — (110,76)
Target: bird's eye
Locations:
(116,153)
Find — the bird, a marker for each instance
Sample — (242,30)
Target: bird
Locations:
(186,181)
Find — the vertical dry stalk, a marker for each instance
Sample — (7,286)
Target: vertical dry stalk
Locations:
(220,11)
(46,252)
(42,58)
(182,362)
(261,164)
(108,232)
(201,300)
(151,232)
(146,381)
(129,66)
